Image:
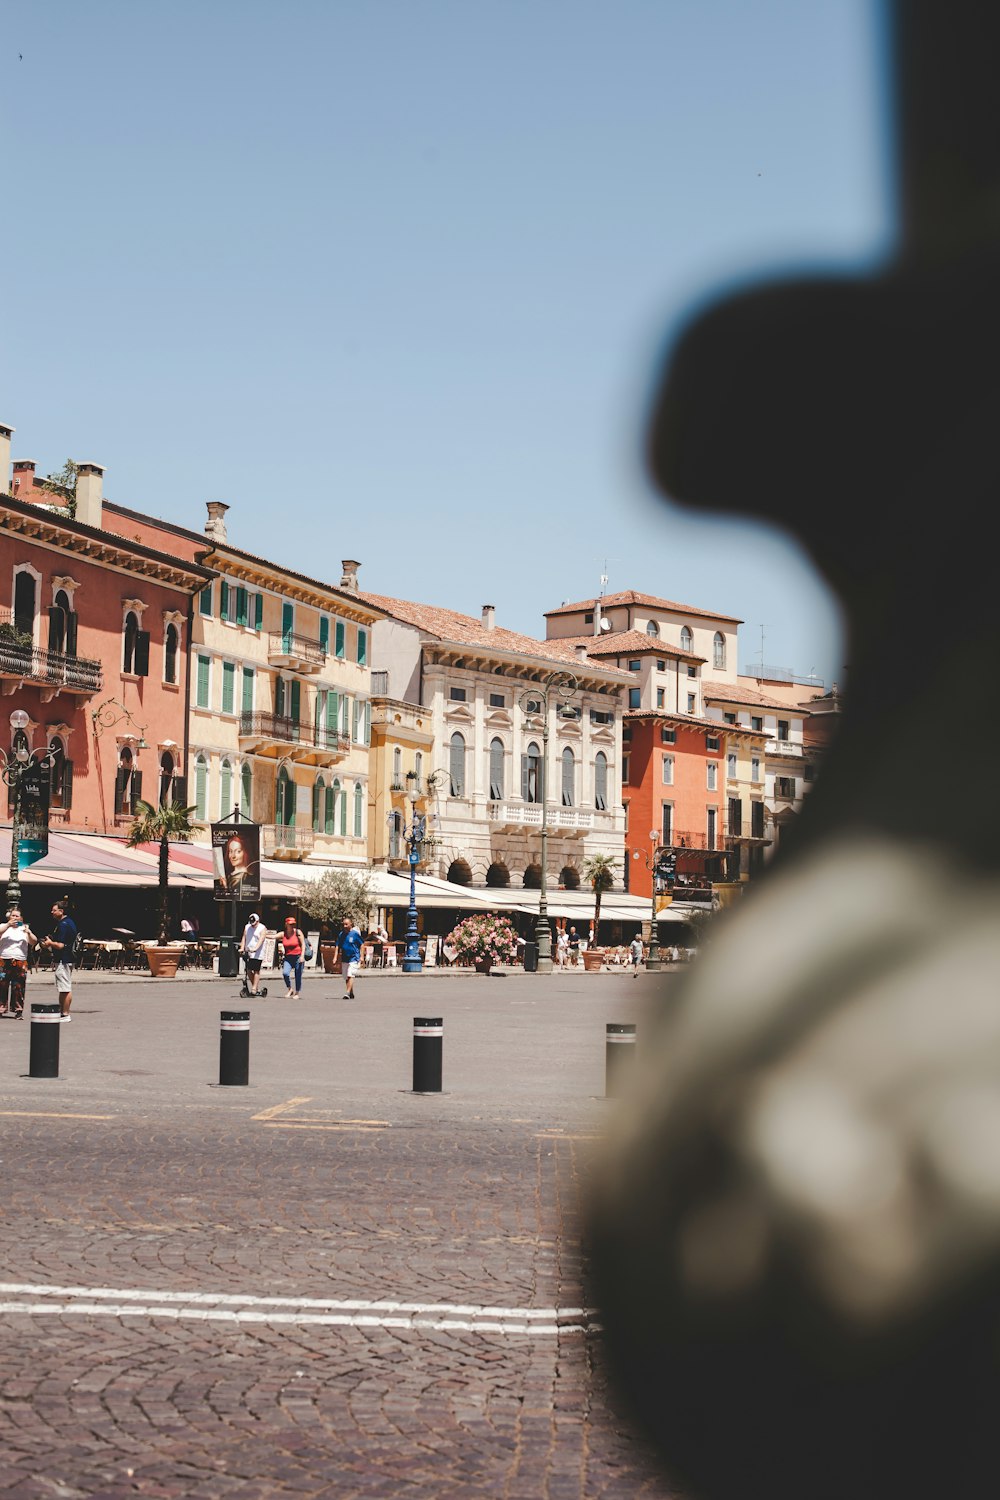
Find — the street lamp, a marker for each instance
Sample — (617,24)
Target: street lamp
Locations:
(14,767)
(414,836)
(104,716)
(562,685)
(653,962)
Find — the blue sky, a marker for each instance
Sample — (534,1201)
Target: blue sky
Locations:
(392,277)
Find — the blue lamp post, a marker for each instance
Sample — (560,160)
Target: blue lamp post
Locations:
(414,836)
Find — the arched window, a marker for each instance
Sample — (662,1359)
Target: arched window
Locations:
(496,770)
(60,775)
(131,640)
(128,785)
(397,767)
(340,796)
(284,810)
(200,787)
(601,781)
(62,625)
(569,878)
(418,765)
(25,593)
(719,650)
(686,639)
(329,810)
(532,877)
(531,774)
(456,765)
(170,654)
(166,779)
(359,805)
(225,789)
(652,628)
(498,874)
(460,872)
(568,778)
(319,804)
(395,828)
(246,788)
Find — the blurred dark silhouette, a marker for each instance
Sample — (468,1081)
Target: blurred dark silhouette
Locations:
(796,1222)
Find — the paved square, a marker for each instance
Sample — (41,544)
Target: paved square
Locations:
(322,1283)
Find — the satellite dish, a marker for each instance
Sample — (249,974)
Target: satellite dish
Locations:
(605,623)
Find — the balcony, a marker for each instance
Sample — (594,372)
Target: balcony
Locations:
(296,653)
(279,841)
(261,731)
(326,747)
(783,747)
(529,815)
(53,671)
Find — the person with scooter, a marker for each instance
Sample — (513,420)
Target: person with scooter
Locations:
(252,949)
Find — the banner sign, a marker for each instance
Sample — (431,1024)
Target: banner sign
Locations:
(33,824)
(236,861)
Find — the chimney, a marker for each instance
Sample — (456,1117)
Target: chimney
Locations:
(489,616)
(597,616)
(581,652)
(6,433)
(215,526)
(349,575)
(89,484)
(23,482)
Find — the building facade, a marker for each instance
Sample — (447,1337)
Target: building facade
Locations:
(503,738)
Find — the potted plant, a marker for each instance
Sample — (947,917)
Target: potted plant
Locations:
(485,939)
(158,825)
(599,873)
(330,898)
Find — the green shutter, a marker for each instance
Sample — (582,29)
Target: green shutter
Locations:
(296,700)
(200,789)
(368,722)
(258,611)
(223,601)
(225,789)
(246,788)
(204,665)
(228,686)
(247,689)
(279,697)
(324,633)
(242,606)
(362,647)
(354,719)
(339,638)
(332,711)
(358,797)
(287,622)
(205,601)
(328,811)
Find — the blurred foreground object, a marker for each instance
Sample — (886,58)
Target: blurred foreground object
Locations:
(796,1224)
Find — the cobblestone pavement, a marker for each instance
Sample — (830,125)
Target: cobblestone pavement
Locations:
(188,1270)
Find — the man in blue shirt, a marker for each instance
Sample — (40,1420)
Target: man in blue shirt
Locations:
(61,943)
(348,940)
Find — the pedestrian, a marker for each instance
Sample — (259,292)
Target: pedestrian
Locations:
(252,948)
(16,937)
(635,955)
(573,945)
(293,947)
(349,942)
(61,943)
(562,947)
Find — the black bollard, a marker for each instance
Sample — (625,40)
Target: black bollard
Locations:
(234,1047)
(619,1058)
(428,1041)
(43,1052)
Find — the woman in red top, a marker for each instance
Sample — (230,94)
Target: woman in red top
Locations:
(293,946)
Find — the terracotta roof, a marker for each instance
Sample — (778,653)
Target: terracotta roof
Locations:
(465,630)
(691,721)
(730,692)
(626,643)
(630,596)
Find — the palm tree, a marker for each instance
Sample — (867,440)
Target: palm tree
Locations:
(158,825)
(599,873)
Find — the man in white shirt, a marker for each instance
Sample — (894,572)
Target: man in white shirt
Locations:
(254,936)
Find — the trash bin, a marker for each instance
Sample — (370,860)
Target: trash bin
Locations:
(530,958)
(229,958)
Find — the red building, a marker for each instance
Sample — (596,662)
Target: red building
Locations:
(94,632)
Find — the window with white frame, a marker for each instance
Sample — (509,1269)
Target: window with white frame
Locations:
(496,770)
(686,639)
(731,765)
(601,781)
(667,770)
(719,650)
(568,778)
(712,775)
(456,764)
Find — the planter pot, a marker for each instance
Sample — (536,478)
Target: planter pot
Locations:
(593,958)
(331,958)
(163,961)
(483,965)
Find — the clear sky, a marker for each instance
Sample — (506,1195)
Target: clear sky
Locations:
(392,277)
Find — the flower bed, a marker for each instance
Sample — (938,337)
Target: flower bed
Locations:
(484,938)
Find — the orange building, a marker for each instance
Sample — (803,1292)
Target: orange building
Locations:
(94,633)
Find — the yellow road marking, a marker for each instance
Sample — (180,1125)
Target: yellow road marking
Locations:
(42,1114)
(280,1109)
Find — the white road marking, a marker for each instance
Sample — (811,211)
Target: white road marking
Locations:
(230,1307)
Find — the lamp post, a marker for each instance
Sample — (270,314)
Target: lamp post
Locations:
(414,836)
(109,713)
(13,769)
(653,962)
(561,685)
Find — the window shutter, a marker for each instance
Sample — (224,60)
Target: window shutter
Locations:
(296,700)
(140,665)
(200,790)
(205,601)
(225,789)
(318,718)
(71,627)
(317,789)
(247,689)
(258,611)
(332,712)
(324,633)
(136,790)
(339,638)
(179,791)
(56,632)
(202,687)
(287,620)
(362,648)
(228,686)
(329,811)
(242,603)
(120,779)
(223,601)
(354,719)
(368,722)
(345,715)
(343,814)
(67,785)
(279,697)
(246,789)
(358,795)
(525,786)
